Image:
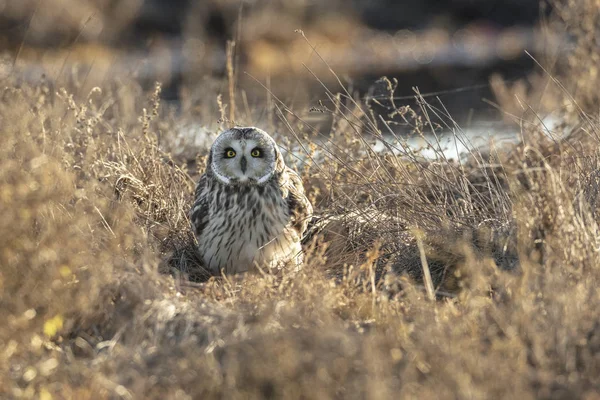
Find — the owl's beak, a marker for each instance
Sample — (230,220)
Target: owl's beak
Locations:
(243,164)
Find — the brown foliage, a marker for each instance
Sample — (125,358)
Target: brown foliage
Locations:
(94,207)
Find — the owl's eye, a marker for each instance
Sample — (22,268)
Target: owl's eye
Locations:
(229,152)
(256,153)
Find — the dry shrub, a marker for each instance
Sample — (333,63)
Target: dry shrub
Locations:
(63,243)
(580,20)
(381,198)
(85,221)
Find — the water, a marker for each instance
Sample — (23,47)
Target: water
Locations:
(479,137)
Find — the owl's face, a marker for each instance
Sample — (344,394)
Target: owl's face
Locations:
(245,156)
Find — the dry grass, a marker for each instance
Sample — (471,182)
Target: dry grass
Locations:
(102,295)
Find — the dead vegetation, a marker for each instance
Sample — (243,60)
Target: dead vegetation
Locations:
(102,295)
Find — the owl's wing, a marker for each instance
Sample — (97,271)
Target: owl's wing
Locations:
(199,212)
(300,209)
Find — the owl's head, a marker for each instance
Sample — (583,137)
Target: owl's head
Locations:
(244,156)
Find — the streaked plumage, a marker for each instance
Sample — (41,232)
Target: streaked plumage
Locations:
(250,208)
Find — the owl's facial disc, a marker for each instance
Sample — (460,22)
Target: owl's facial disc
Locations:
(244,157)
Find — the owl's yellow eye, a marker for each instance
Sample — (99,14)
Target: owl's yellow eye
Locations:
(256,153)
(229,153)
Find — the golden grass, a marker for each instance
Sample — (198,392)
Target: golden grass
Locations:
(102,295)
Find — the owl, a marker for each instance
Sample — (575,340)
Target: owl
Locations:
(250,209)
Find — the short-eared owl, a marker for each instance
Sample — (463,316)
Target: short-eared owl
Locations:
(250,208)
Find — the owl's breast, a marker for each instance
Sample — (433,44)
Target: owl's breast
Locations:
(244,228)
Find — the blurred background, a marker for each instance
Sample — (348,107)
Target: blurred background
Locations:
(450,46)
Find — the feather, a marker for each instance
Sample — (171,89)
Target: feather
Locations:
(300,209)
(199,213)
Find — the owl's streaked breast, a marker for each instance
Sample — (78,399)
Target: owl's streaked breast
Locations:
(246,226)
